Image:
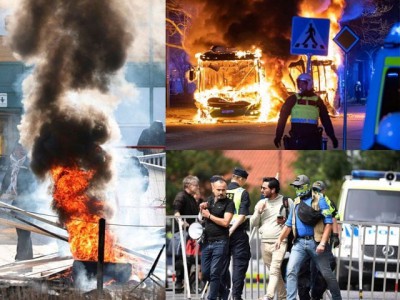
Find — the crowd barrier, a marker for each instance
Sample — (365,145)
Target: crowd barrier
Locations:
(373,275)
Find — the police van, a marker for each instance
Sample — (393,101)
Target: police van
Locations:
(382,115)
(369,211)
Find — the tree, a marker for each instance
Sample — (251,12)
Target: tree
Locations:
(372,27)
(177,23)
(328,166)
(202,164)
(378,160)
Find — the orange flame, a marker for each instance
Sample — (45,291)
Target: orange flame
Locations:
(81,214)
(234,81)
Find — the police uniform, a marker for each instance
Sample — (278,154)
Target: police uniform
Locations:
(239,247)
(305,109)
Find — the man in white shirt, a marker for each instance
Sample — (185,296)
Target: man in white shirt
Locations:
(269,217)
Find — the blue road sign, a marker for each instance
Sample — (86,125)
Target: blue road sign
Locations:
(310,36)
(346,39)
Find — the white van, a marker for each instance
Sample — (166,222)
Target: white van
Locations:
(369,209)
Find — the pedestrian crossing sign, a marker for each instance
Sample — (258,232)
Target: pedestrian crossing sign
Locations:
(310,36)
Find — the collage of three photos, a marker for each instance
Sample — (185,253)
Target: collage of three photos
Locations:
(163,149)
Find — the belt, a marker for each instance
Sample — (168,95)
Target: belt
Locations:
(215,241)
(307,237)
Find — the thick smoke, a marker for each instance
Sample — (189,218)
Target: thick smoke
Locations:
(73,45)
(243,24)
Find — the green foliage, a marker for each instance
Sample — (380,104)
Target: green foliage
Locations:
(202,164)
(328,166)
(385,160)
(332,166)
(255,195)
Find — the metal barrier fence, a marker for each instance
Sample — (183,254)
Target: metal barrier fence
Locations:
(377,268)
(158,159)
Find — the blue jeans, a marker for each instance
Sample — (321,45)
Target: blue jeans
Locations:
(213,257)
(301,249)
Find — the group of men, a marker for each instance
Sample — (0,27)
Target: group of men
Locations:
(309,217)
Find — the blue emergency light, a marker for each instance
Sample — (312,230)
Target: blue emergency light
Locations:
(368,174)
(393,38)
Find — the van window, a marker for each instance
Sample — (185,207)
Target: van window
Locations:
(391,92)
(373,206)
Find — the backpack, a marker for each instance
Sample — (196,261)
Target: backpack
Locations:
(290,238)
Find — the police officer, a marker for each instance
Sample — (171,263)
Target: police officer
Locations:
(239,246)
(305,107)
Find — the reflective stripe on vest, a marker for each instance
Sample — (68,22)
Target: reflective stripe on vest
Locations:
(305,110)
(236,196)
(305,121)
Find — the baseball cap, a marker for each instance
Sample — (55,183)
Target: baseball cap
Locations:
(300,180)
(320,185)
(240,172)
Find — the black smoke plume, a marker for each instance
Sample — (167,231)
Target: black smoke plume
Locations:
(242,24)
(74,45)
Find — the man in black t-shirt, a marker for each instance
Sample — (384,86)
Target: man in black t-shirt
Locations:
(217,213)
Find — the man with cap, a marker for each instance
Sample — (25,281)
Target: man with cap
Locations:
(239,246)
(311,223)
(309,278)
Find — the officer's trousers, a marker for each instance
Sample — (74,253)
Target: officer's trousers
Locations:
(239,250)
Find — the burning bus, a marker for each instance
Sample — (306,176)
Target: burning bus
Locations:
(229,82)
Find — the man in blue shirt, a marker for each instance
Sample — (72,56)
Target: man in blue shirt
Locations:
(311,222)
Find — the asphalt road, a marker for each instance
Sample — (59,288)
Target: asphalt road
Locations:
(245,133)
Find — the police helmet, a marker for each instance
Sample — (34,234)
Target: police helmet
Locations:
(389,133)
(306,78)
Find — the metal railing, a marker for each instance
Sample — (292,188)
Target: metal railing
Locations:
(158,159)
(379,243)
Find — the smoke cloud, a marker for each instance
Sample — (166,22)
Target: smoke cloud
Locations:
(74,45)
(242,24)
